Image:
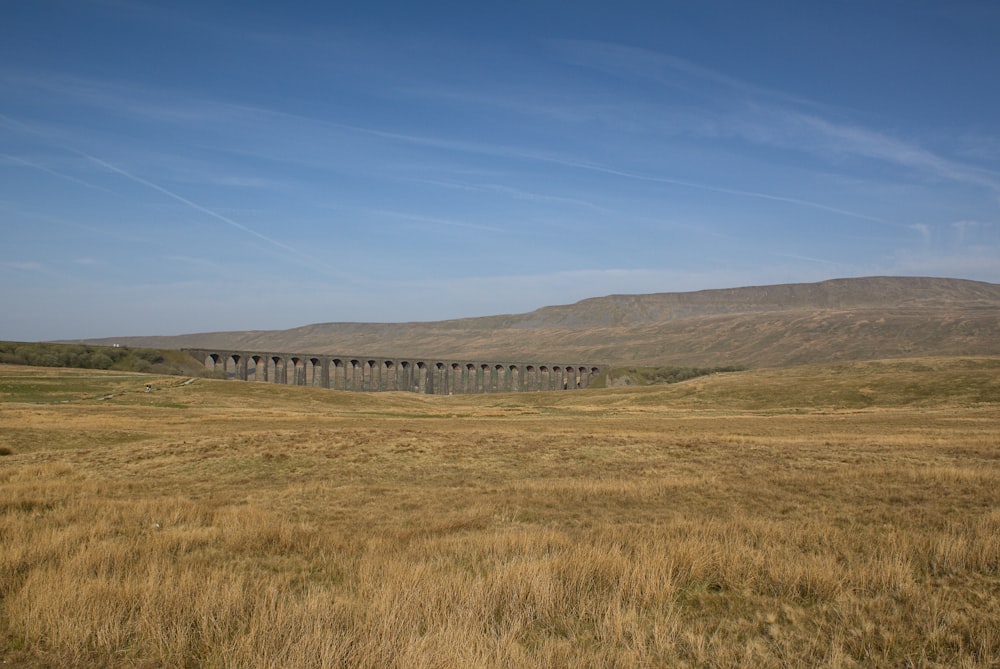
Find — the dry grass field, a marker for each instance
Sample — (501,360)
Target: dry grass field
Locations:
(838,515)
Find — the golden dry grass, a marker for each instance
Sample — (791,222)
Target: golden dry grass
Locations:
(841,516)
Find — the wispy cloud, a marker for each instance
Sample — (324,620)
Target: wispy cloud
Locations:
(433,220)
(980,263)
(514,193)
(810,259)
(859,141)
(923,230)
(67,223)
(199,264)
(22,265)
(769,116)
(716,189)
(255,183)
(663,68)
(972,232)
(55,173)
(171,194)
(517,153)
(120,98)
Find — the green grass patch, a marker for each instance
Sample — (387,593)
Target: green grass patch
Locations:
(52,391)
(68,385)
(655,376)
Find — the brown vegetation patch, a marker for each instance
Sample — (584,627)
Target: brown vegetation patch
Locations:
(755,519)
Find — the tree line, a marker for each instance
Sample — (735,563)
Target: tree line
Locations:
(80,355)
(677,374)
(653,376)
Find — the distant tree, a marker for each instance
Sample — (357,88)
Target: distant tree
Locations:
(98,360)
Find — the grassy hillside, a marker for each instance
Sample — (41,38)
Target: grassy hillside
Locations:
(764,326)
(833,515)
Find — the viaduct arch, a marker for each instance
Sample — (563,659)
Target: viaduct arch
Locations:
(379,374)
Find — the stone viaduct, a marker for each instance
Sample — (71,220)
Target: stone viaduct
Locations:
(366,374)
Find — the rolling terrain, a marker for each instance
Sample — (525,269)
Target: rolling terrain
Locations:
(839,515)
(763,326)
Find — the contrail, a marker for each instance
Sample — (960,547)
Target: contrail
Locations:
(165,191)
(194,205)
(205,210)
(54,173)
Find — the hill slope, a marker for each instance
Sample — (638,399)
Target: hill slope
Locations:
(759,326)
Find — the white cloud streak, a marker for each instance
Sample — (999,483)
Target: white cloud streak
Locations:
(170,194)
(22,265)
(47,170)
(848,139)
(516,153)
(183,200)
(114,97)
(513,193)
(719,189)
(433,220)
(767,116)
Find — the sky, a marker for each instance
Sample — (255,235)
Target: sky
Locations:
(178,167)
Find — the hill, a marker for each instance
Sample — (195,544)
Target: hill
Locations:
(757,326)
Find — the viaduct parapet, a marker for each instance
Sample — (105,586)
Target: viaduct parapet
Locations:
(367,374)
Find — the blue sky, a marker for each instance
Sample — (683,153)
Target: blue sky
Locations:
(173,167)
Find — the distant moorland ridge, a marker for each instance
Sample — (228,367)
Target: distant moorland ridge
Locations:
(757,326)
